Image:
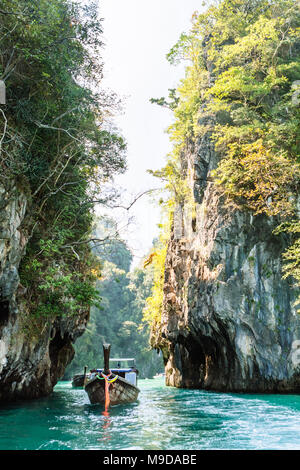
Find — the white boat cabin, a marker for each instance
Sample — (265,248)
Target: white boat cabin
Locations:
(124,367)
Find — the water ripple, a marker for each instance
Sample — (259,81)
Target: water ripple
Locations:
(163,418)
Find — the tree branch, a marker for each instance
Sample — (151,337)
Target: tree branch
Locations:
(127,208)
(45,126)
(5,127)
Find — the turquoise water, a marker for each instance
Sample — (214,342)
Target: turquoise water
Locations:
(164,418)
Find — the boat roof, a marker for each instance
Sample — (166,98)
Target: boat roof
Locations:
(117,370)
(122,359)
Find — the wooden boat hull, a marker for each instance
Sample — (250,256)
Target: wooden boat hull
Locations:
(121,391)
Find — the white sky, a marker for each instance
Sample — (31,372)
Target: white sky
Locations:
(137,35)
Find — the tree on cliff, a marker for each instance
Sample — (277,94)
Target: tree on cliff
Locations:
(57,143)
(243,67)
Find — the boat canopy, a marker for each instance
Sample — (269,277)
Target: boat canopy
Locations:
(123,359)
(116,370)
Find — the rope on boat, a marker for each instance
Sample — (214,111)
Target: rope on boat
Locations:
(107,384)
(105,377)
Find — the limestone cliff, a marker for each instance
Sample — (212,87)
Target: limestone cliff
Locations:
(33,354)
(228,322)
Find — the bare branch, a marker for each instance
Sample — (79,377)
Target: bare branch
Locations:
(82,242)
(45,126)
(9,32)
(127,208)
(2,12)
(64,114)
(5,127)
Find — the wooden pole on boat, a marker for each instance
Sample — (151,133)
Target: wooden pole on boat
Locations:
(84,376)
(106,353)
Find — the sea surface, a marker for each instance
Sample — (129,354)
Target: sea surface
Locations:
(164,418)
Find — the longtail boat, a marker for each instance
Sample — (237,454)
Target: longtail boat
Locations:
(112,386)
(79,380)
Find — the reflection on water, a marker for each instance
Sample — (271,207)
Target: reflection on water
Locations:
(163,418)
(106,426)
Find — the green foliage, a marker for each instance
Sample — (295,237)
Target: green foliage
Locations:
(171,104)
(55,137)
(258,179)
(253,84)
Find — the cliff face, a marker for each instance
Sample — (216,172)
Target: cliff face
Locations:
(228,322)
(33,354)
